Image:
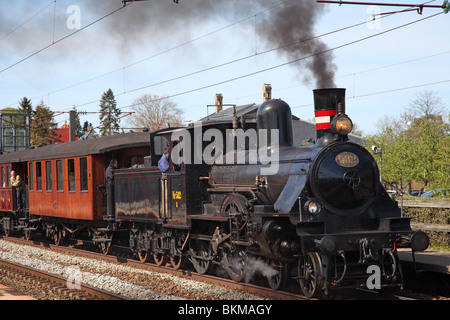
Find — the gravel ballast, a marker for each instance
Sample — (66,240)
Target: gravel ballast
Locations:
(131,282)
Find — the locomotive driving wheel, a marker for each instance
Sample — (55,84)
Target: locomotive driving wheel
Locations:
(235,255)
(277,280)
(200,255)
(310,274)
(235,264)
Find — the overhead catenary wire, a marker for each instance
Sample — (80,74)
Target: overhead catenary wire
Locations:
(26,21)
(265,69)
(123,68)
(240,59)
(385,91)
(191,41)
(59,40)
(419,7)
(253,55)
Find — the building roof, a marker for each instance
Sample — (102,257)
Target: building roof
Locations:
(226,115)
(63,133)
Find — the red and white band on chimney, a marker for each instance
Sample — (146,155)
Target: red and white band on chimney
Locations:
(323,118)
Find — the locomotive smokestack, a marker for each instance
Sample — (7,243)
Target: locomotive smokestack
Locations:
(267,92)
(219,102)
(326,105)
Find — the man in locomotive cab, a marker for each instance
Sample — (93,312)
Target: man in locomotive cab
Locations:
(163,163)
(109,172)
(19,185)
(109,177)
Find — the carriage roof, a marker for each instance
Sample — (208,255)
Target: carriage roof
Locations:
(79,148)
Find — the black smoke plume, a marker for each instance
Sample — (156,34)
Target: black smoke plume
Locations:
(291,22)
(163,21)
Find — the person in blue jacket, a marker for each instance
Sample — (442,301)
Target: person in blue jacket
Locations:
(163,163)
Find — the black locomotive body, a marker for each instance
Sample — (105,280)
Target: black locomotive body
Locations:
(236,193)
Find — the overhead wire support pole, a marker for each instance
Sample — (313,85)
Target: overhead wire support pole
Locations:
(445,6)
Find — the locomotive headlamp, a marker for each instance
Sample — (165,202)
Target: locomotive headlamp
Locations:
(342,124)
(312,207)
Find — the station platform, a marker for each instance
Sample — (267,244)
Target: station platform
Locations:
(7,293)
(428,260)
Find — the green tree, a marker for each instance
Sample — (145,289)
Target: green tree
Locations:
(429,133)
(416,146)
(85,128)
(42,125)
(25,106)
(391,139)
(430,151)
(109,114)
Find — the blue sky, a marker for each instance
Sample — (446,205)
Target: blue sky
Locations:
(155,45)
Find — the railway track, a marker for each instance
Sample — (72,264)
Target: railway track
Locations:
(123,256)
(60,286)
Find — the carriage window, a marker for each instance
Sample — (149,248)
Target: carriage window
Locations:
(83,174)
(3,177)
(59,176)
(8,181)
(48,175)
(71,174)
(38,176)
(30,177)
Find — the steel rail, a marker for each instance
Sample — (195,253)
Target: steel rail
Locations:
(97,292)
(185,273)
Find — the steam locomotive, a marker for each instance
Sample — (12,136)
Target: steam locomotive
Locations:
(236,192)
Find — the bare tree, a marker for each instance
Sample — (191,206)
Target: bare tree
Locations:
(427,103)
(154,113)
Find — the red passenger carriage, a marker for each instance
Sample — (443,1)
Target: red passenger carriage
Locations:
(64,182)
